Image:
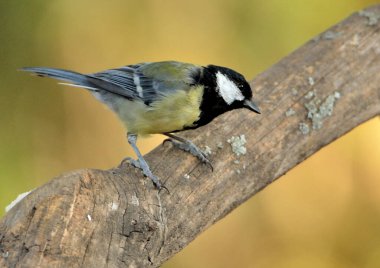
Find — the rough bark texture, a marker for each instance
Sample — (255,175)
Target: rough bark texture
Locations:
(115,218)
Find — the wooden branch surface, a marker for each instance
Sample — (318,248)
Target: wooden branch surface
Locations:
(115,218)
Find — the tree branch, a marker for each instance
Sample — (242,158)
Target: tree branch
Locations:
(95,218)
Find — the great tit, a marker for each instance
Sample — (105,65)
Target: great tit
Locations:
(162,98)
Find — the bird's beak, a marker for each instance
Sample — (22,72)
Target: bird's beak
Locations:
(251,106)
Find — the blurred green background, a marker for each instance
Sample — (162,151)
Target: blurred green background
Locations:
(324,213)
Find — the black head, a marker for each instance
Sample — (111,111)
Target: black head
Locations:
(224,90)
(232,88)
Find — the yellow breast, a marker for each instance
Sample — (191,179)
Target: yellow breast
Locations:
(172,112)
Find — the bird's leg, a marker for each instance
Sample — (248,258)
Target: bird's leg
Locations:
(190,147)
(141,163)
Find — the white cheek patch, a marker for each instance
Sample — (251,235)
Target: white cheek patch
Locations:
(227,89)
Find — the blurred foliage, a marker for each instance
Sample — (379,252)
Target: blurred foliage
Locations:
(328,218)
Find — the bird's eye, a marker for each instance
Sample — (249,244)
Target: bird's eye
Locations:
(240,85)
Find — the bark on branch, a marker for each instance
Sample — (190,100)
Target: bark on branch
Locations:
(115,218)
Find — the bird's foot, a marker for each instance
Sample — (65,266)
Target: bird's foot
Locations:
(190,147)
(145,170)
(131,161)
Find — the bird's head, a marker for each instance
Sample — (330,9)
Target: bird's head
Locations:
(232,88)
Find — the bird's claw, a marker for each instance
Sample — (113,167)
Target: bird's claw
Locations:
(192,149)
(146,171)
(155,180)
(166,140)
(131,161)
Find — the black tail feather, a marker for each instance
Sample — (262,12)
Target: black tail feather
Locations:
(60,74)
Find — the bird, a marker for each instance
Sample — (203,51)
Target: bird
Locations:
(162,98)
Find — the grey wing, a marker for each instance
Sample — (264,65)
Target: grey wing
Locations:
(121,81)
(134,82)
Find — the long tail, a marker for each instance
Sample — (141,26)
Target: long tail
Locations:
(75,79)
